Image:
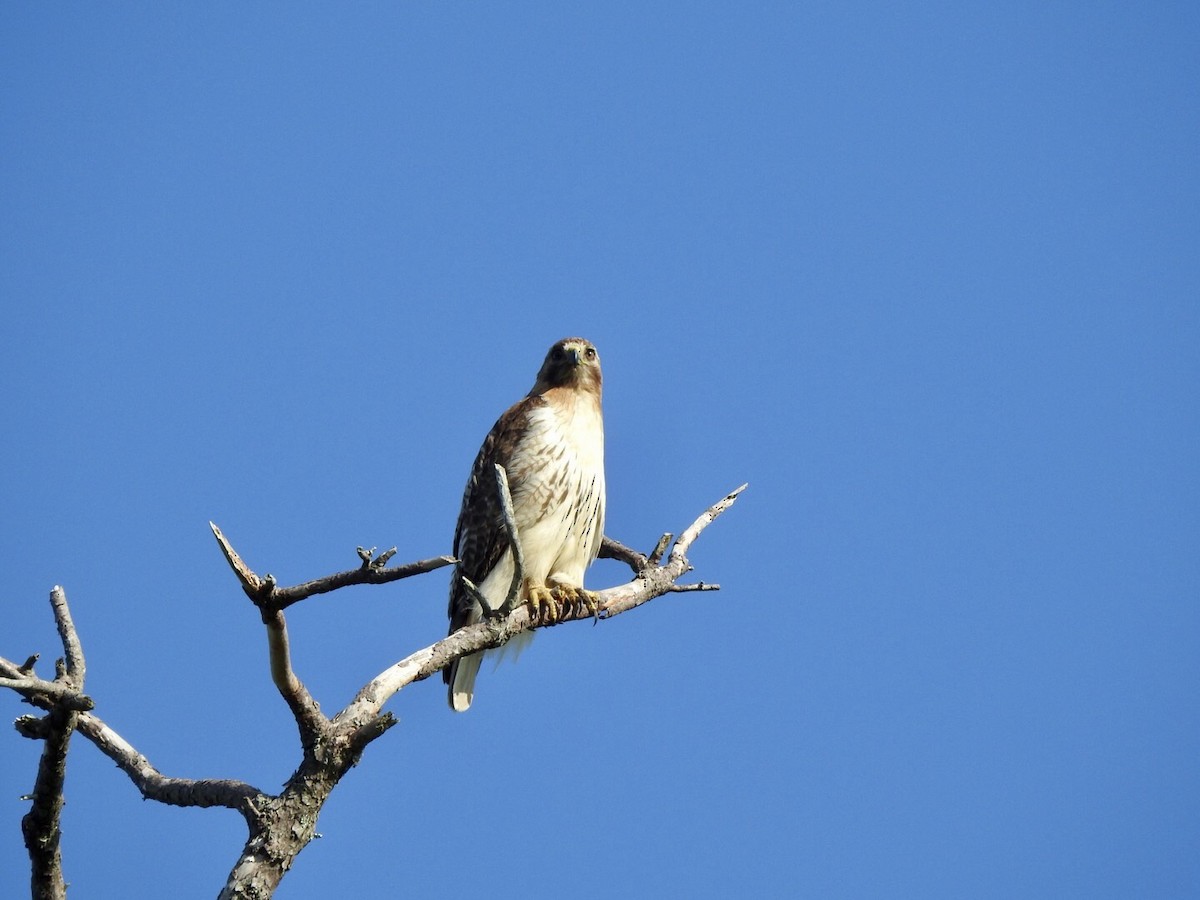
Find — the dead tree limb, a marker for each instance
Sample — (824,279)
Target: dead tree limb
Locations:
(292,815)
(63,699)
(266,593)
(281,825)
(153,785)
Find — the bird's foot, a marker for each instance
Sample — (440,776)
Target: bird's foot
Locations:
(544,605)
(577,599)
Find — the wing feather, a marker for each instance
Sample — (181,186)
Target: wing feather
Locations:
(479,538)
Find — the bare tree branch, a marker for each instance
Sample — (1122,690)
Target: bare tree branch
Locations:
(653,581)
(251,583)
(272,600)
(264,591)
(36,728)
(311,721)
(281,825)
(288,821)
(660,548)
(657,579)
(156,786)
(64,701)
(698,586)
(72,648)
(45,694)
(613,549)
(282,598)
(41,826)
(514,541)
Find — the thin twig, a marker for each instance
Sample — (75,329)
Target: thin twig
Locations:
(514,540)
(476,594)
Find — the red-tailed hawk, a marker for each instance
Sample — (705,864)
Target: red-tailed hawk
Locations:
(551,445)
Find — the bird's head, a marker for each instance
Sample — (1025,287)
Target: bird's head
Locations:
(572,362)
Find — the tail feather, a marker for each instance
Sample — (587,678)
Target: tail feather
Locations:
(462,682)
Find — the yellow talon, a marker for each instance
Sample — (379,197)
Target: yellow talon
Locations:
(549,604)
(588,600)
(577,598)
(543,605)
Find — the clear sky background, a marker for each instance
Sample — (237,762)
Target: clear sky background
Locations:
(927,277)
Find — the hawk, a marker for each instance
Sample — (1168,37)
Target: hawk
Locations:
(551,445)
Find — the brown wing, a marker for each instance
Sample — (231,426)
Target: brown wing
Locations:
(479,538)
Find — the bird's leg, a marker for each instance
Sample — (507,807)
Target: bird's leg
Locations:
(543,602)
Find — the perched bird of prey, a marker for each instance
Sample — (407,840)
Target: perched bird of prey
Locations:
(551,445)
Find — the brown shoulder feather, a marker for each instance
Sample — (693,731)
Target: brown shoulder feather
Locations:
(479,538)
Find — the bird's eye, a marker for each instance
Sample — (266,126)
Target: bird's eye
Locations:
(590,353)
(556,353)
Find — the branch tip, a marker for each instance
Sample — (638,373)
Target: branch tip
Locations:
(33,727)
(251,583)
(75,668)
(660,548)
(477,596)
(373,729)
(679,551)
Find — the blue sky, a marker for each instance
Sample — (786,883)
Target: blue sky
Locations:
(927,278)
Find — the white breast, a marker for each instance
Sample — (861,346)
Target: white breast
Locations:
(559,495)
